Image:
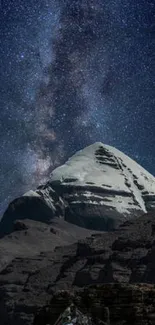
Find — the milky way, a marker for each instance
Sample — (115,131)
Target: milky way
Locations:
(72,73)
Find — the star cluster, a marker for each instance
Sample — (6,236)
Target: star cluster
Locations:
(73,72)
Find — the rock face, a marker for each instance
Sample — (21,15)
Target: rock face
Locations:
(106,304)
(28,283)
(98,188)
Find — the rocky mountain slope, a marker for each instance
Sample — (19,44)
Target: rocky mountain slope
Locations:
(98,188)
(29,238)
(105,304)
(28,283)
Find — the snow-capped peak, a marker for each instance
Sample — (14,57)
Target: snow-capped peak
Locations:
(107,177)
(98,188)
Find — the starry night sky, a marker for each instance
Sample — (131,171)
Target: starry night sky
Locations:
(73,72)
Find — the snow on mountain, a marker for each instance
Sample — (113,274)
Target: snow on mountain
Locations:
(104,182)
(97,188)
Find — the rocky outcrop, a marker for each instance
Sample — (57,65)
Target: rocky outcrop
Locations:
(28,282)
(98,188)
(106,304)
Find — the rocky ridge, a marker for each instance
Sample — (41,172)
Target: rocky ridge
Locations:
(106,304)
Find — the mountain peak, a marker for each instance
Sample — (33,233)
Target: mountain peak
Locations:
(98,188)
(112,174)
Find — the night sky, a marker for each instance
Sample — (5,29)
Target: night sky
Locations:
(73,73)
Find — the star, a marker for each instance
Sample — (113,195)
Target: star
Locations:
(22,56)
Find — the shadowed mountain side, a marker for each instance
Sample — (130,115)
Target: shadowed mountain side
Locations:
(27,283)
(29,237)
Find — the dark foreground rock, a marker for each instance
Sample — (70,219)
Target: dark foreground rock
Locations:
(105,304)
(29,281)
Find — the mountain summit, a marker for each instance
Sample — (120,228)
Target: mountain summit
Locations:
(100,181)
(98,188)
